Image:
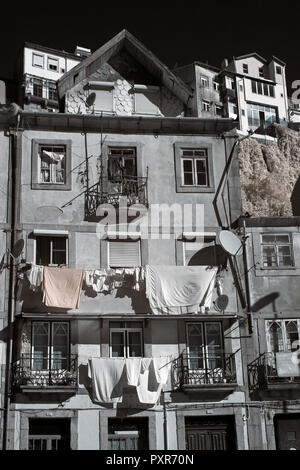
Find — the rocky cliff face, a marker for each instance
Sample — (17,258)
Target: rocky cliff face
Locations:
(270,174)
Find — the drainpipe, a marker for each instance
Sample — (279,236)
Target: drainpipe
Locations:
(14,194)
(247,283)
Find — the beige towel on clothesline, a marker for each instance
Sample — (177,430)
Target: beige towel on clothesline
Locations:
(62,287)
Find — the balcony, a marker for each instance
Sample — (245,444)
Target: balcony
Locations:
(213,374)
(51,374)
(109,191)
(274,375)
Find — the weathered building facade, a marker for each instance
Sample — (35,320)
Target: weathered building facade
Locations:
(129,188)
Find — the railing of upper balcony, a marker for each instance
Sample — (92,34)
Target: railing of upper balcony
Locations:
(45,371)
(110,190)
(264,371)
(190,369)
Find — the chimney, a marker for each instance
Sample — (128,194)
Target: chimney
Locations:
(82,51)
(224,64)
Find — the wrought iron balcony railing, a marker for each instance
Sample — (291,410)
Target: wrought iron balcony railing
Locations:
(45,371)
(272,369)
(190,369)
(110,190)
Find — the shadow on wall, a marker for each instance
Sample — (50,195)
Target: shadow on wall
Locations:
(209,256)
(295,198)
(32,301)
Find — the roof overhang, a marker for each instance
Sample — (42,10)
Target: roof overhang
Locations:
(126,124)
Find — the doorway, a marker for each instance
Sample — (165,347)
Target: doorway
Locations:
(214,433)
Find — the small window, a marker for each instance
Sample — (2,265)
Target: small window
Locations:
(194,167)
(204,81)
(245,68)
(51,250)
(62,70)
(261,72)
(278,70)
(219,110)
(37,60)
(126,339)
(276,251)
(147,100)
(283,335)
(52,64)
(205,105)
(243,112)
(124,254)
(216,86)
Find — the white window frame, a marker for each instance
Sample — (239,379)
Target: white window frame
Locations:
(125,330)
(205,105)
(282,323)
(194,168)
(276,245)
(49,234)
(204,81)
(205,346)
(52,166)
(216,86)
(49,342)
(245,66)
(38,55)
(48,64)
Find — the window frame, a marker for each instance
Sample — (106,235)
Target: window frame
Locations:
(57,61)
(35,164)
(206,107)
(194,170)
(50,324)
(204,81)
(50,235)
(245,68)
(282,322)
(203,145)
(126,344)
(290,244)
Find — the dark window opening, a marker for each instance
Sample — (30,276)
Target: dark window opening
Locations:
(51,251)
(49,434)
(128,434)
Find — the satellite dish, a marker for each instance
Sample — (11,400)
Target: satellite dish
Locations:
(91,99)
(230,242)
(264,301)
(221,302)
(18,248)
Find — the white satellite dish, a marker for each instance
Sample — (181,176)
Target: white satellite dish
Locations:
(230,242)
(221,302)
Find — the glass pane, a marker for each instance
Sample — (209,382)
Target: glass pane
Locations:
(214,345)
(276,337)
(292,336)
(60,346)
(188,153)
(40,345)
(282,238)
(117,344)
(195,342)
(268,238)
(134,344)
(129,167)
(284,256)
(269,256)
(187,165)
(43,251)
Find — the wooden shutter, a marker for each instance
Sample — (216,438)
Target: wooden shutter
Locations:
(124,254)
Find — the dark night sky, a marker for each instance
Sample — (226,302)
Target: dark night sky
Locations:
(176,34)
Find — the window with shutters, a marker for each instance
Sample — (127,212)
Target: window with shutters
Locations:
(37,60)
(126,339)
(124,254)
(146,99)
(53,64)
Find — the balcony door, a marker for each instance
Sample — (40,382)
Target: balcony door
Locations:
(121,164)
(205,350)
(50,345)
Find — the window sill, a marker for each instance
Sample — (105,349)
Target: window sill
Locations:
(195,189)
(288,271)
(51,186)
